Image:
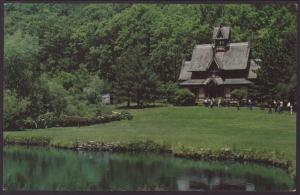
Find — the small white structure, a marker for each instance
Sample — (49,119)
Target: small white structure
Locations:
(105,98)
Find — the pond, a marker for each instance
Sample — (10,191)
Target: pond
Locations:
(42,168)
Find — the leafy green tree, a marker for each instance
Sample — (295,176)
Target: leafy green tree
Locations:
(21,66)
(167,91)
(135,79)
(53,95)
(15,110)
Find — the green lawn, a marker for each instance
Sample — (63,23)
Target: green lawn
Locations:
(191,127)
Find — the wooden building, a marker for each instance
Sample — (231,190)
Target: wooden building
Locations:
(218,68)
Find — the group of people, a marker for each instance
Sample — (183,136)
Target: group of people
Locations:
(277,106)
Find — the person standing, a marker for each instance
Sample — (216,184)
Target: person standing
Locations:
(270,107)
(275,105)
(219,102)
(212,102)
(238,104)
(280,106)
(205,102)
(250,104)
(290,106)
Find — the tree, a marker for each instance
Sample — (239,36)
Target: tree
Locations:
(15,110)
(276,48)
(135,79)
(53,95)
(21,64)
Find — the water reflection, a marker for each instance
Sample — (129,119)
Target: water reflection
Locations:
(216,183)
(35,168)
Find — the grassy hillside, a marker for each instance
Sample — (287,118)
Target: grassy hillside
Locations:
(188,127)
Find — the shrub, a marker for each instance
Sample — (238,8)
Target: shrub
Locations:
(46,120)
(69,121)
(239,93)
(49,119)
(126,115)
(14,110)
(29,123)
(184,97)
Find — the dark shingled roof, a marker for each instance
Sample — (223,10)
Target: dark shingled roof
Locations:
(235,58)
(201,57)
(252,69)
(224,30)
(238,81)
(193,82)
(184,74)
(217,80)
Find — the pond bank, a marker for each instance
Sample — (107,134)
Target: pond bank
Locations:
(223,154)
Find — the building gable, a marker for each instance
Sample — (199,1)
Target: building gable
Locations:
(213,66)
(220,35)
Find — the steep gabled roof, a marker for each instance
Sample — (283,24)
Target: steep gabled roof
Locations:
(201,57)
(252,69)
(184,74)
(225,30)
(235,58)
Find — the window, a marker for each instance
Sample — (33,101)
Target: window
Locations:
(220,43)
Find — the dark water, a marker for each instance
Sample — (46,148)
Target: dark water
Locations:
(36,168)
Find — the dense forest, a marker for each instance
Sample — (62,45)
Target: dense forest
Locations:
(59,58)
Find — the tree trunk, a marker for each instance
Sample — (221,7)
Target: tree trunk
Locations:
(128,103)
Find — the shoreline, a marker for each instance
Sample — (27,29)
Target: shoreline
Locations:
(205,154)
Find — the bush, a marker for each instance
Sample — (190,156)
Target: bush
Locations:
(49,119)
(184,97)
(14,110)
(126,115)
(69,121)
(239,93)
(46,120)
(29,123)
